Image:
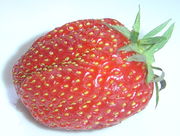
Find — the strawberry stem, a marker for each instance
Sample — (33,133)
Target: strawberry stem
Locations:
(146,47)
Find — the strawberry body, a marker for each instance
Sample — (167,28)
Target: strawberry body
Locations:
(75,78)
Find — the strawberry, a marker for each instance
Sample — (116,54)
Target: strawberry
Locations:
(89,74)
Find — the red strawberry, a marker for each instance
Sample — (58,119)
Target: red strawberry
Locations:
(88,74)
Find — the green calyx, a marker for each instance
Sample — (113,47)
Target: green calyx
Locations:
(146,47)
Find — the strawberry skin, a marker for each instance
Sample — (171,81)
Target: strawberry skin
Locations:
(75,78)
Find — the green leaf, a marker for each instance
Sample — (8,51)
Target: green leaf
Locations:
(135,28)
(126,48)
(134,36)
(137,58)
(167,35)
(161,77)
(157,93)
(122,30)
(157,29)
(131,47)
(151,40)
(163,84)
(150,74)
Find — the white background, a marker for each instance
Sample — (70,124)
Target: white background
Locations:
(22,21)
